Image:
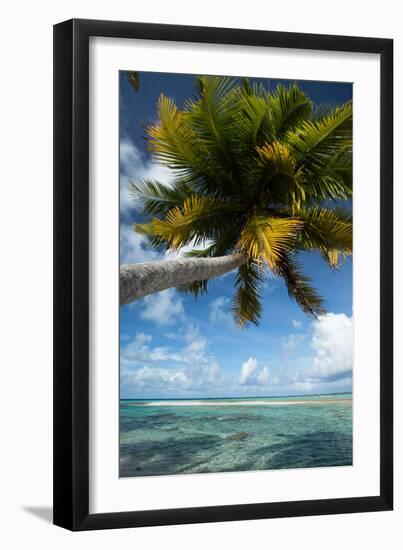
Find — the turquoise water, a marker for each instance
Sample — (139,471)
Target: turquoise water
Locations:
(162,437)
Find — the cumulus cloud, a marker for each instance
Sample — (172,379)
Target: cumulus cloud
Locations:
(328,368)
(139,351)
(332,341)
(251,375)
(247,370)
(166,370)
(157,379)
(167,380)
(297,324)
(191,348)
(163,308)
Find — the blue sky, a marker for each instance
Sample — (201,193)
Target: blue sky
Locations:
(173,346)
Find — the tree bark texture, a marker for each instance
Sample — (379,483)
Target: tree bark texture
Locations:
(138,280)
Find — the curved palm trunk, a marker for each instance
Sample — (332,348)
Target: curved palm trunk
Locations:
(137,280)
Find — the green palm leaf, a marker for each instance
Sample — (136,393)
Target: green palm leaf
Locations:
(211,115)
(289,107)
(197,288)
(254,118)
(316,142)
(172,142)
(198,220)
(222,246)
(155,198)
(279,174)
(246,306)
(268,239)
(330,231)
(299,287)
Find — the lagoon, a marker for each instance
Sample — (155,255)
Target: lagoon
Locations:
(174,436)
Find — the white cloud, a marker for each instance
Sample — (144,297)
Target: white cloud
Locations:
(134,247)
(251,375)
(167,380)
(297,324)
(328,368)
(156,378)
(133,167)
(193,351)
(247,370)
(189,367)
(220,311)
(129,156)
(262,377)
(142,338)
(292,342)
(332,341)
(196,344)
(163,308)
(203,369)
(139,351)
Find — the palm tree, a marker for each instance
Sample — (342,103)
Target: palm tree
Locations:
(258,177)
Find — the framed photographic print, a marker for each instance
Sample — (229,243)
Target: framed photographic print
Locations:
(223,274)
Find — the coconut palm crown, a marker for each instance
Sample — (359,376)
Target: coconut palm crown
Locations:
(257,174)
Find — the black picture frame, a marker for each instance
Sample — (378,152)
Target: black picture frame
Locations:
(71,274)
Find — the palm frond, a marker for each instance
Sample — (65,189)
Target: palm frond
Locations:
(332,257)
(341,166)
(207,252)
(155,198)
(268,239)
(254,120)
(246,306)
(172,141)
(290,107)
(334,182)
(299,286)
(278,173)
(330,231)
(327,187)
(197,288)
(211,116)
(199,219)
(322,111)
(246,87)
(223,245)
(194,142)
(317,142)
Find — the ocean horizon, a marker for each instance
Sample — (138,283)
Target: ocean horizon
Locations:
(168,436)
(219,398)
